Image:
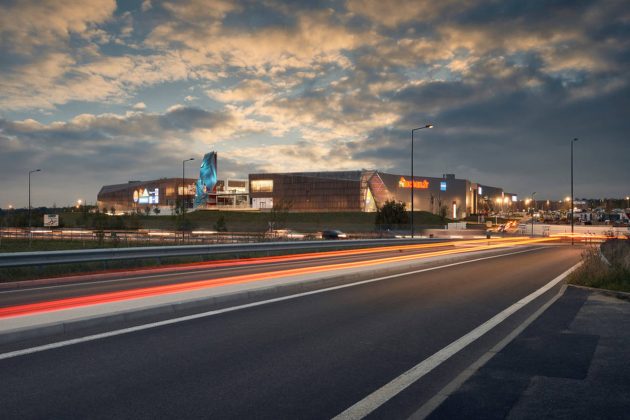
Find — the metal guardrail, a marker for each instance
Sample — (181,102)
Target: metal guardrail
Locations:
(20,259)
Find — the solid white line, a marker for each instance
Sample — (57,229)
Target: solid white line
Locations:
(388,391)
(65,343)
(454,385)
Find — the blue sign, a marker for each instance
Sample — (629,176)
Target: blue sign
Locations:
(443,186)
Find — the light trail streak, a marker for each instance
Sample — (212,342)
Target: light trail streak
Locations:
(139,293)
(204,265)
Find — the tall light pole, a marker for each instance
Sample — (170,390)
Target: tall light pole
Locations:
(29,204)
(184,195)
(533,211)
(412,131)
(628,200)
(572,141)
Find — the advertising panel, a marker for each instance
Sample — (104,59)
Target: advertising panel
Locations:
(51,220)
(207,182)
(146,196)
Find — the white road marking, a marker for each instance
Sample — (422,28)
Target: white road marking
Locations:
(122,331)
(388,391)
(428,407)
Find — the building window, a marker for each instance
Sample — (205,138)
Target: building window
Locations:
(262,185)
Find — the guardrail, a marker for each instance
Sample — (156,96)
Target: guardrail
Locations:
(20,259)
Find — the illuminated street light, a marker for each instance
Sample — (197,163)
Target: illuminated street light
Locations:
(572,195)
(628,200)
(184,196)
(533,211)
(29,204)
(412,180)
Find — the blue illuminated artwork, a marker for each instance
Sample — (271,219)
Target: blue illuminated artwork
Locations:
(443,186)
(207,178)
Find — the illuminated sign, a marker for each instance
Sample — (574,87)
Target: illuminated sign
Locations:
(480,190)
(514,198)
(403,183)
(443,186)
(145,196)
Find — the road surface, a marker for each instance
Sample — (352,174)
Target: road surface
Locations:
(309,357)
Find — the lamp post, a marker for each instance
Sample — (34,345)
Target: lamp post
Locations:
(628,200)
(29,204)
(412,187)
(184,195)
(533,211)
(572,141)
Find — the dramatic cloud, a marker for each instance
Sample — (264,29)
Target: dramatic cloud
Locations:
(97,89)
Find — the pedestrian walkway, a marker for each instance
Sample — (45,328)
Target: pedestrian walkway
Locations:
(571,363)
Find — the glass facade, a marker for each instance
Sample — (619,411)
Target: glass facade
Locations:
(363,191)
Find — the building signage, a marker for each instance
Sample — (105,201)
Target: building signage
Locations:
(403,183)
(51,220)
(480,191)
(442,185)
(146,196)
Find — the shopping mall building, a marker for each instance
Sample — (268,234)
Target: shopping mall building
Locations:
(165,193)
(365,190)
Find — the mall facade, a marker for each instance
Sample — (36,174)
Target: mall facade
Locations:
(165,193)
(366,190)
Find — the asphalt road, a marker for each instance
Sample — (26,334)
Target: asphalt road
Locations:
(157,277)
(309,357)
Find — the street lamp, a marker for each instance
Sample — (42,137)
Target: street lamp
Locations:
(183,194)
(533,211)
(628,200)
(412,187)
(572,141)
(29,204)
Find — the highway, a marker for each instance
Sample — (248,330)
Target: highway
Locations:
(313,356)
(116,281)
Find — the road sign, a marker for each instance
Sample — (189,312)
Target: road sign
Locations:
(51,220)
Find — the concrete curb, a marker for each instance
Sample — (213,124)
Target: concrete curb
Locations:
(613,293)
(185,306)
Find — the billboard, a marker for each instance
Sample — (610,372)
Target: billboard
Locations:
(146,196)
(51,220)
(207,182)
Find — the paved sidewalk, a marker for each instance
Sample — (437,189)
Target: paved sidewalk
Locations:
(573,362)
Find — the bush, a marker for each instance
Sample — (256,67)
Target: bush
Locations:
(612,271)
(391,213)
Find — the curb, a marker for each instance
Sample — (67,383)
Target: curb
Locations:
(185,306)
(613,293)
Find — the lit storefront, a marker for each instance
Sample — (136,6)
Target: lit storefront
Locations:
(366,190)
(138,196)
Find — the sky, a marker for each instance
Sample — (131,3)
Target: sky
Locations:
(102,92)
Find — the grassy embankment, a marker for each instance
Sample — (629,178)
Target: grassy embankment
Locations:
(611,272)
(255,221)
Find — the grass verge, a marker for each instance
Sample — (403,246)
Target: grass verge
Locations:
(609,269)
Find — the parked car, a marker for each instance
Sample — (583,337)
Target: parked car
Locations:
(333,234)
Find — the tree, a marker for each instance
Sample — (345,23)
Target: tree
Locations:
(220,225)
(147,210)
(391,213)
(279,213)
(113,210)
(156,210)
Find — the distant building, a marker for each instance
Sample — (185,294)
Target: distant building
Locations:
(366,190)
(136,196)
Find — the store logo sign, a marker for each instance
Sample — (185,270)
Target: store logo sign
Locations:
(403,183)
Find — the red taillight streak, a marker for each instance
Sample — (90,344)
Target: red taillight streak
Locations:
(68,303)
(296,257)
